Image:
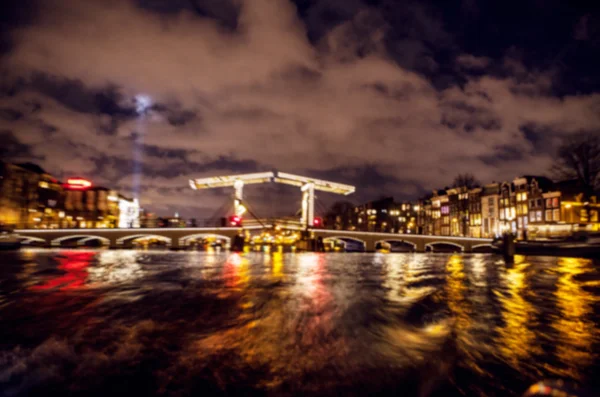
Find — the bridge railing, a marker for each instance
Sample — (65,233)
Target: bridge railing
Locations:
(154,224)
(90,225)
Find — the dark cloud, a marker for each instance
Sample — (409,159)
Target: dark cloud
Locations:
(225,12)
(11,147)
(394,97)
(13,14)
(10,114)
(75,95)
(503,154)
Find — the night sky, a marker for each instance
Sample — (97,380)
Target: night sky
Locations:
(396,97)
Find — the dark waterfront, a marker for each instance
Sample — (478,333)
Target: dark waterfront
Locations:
(189,323)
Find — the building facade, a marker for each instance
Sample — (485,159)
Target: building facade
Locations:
(490,210)
(29,196)
(475,212)
(32,198)
(563,210)
(384,216)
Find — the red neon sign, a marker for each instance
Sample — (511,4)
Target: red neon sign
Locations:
(78,184)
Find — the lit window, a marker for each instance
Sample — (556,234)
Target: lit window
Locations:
(556,215)
(555,202)
(548,215)
(532,217)
(583,215)
(539,216)
(593,216)
(548,203)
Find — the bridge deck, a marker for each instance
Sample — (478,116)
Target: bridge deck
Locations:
(179,237)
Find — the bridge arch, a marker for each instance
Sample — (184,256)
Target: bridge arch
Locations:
(184,241)
(132,237)
(346,239)
(396,240)
(29,239)
(480,246)
(431,246)
(81,237)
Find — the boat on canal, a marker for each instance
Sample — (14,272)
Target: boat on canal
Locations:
(582,245)
(9,240)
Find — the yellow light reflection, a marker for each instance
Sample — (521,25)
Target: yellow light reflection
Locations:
(516,342)
(30,266)
(576,331)
(277,265)
(461,310)
(394,282)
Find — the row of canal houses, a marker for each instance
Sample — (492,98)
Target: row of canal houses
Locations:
(529,207)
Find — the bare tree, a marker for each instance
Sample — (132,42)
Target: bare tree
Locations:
(578,158)
(466,179)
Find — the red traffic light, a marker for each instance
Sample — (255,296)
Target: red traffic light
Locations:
(235,220)
(317,222)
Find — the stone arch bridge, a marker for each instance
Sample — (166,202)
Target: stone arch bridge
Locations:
(419,243)
(121,238)
(178,238)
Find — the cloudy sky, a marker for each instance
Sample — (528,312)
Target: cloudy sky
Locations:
(396,97)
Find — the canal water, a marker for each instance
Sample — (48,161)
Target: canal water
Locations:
(152,323)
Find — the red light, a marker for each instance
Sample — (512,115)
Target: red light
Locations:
(235,220)
(78,184)
(317,222)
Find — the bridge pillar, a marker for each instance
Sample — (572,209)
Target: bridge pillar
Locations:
(238,198)
(112,243)
(468,247)
(420,245)
(308,204)
(175,244)
(370,244)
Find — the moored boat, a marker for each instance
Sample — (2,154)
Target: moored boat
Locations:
(580,245)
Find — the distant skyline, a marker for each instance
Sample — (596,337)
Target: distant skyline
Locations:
(396,98)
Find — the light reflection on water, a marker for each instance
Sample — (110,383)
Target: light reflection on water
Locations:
(574,322)
(517,337)
(285,324)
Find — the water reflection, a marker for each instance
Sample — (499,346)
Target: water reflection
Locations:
(236,272)
(116,267)
(516,337)
(277,266)
(577,332)
(74,264)
(461,307)
(206,323)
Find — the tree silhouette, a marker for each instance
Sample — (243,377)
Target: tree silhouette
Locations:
(465,179)
(578,157)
